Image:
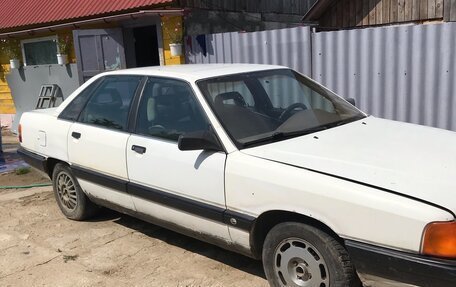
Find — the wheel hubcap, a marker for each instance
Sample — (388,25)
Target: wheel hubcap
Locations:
(299,263)
(66,191)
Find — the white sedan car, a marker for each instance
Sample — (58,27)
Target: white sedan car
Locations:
(260,160)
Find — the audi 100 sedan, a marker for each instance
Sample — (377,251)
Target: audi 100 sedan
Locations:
(260,160)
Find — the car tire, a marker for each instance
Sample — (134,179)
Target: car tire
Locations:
(70,198)
(296,254)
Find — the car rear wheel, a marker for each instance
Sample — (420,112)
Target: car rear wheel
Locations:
(70,198)
(295,254)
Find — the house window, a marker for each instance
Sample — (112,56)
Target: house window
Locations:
(40,51)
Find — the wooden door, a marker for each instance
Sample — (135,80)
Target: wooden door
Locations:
(98,50)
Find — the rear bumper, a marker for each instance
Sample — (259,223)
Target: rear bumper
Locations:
(402,267)
(33,159)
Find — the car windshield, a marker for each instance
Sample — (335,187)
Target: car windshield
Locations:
(267,106)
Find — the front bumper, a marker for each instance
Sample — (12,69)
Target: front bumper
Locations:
(406,268)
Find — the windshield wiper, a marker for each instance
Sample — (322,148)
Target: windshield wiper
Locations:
(271,138)
(278,136)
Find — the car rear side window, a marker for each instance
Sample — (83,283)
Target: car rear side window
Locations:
(110,103)
(168,109)
(72,111)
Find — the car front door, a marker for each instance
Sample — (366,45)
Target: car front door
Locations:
(184,188)
(98,139)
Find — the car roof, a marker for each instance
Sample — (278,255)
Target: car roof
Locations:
(194,72)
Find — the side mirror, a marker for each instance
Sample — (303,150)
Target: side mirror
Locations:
(200,140)
(351,101)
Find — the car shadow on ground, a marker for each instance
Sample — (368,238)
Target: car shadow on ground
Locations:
(246,264)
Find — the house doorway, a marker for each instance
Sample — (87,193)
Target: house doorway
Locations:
(146,46)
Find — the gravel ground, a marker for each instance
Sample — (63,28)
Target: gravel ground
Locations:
(39,247)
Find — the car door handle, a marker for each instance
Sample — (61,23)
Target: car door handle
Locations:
(76,135)
(138,149)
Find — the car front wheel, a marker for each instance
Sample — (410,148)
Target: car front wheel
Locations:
(296,254)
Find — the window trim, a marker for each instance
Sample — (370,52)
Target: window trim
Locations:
(39,39)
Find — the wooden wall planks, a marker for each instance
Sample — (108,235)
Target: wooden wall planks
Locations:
(351,13)
(296,7)
(342,13)
(451,13)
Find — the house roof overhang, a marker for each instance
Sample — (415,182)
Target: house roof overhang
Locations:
(35,14)
(106,19)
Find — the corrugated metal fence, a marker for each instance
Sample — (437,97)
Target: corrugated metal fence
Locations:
(405,73)
(289,47)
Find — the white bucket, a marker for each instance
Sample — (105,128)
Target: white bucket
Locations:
(176,49)
(14,64)
(62,59)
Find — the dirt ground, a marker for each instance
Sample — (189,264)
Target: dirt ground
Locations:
(39,247)
(32,177)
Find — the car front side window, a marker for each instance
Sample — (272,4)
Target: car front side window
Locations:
(110,103)
(168,109)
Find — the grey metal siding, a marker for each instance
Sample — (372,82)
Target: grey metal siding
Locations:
(405,73)
(289,47)
(25,84)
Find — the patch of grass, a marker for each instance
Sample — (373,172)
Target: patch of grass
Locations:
(67,258)
(22,170)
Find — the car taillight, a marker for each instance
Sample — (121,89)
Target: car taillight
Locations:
(439,239)
(19,130)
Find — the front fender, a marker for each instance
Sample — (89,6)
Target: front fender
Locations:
(352,211)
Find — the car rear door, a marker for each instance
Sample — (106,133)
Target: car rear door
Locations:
(184,188)
(98,139)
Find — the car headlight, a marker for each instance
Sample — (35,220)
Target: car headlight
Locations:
(439,239)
